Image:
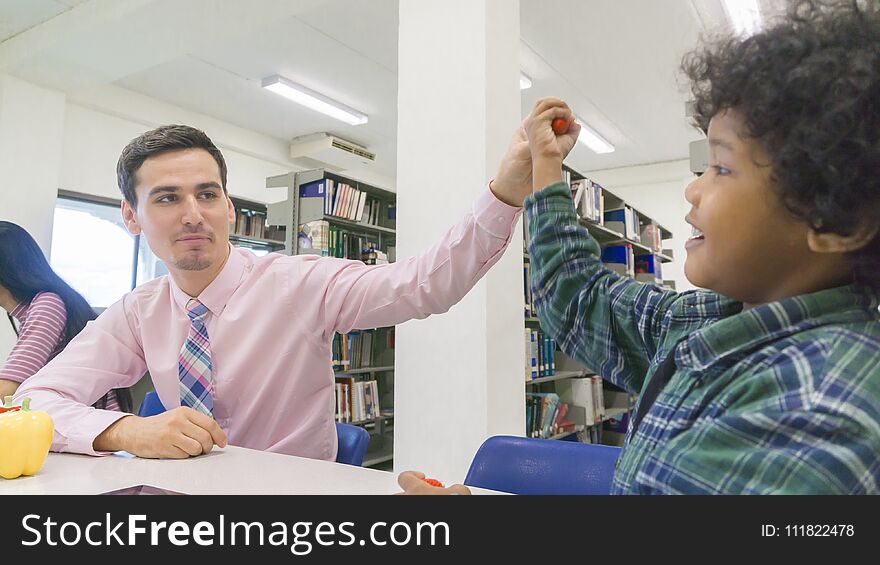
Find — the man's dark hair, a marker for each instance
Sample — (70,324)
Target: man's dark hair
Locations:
(158,141)
(808,89)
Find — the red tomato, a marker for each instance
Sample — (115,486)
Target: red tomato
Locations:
(559,125)
(433,482)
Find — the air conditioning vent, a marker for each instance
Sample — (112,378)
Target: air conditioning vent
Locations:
(330,150)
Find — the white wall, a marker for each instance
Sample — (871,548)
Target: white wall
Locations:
(658,191)
(31,123)
(101,122)
(458,376)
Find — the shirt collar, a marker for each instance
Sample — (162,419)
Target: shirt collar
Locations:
(217,294)
(746,331)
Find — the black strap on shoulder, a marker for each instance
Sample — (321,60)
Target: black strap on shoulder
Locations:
(659,379)
(12,323)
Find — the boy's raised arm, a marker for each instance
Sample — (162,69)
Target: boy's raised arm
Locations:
(608,322)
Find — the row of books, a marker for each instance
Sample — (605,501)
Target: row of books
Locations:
(249,223)
(589,200)
(540,355)
(546,415)
(358,349)
(587,394)
(356,400)
(624,220)
(321,237)
(344,201)
(644,267)
(530,311)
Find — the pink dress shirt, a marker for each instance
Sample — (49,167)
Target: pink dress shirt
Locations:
(271,327)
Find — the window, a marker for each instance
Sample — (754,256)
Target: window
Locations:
(91,250)
(95,254)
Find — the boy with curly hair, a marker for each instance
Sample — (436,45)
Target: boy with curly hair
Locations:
(768,382)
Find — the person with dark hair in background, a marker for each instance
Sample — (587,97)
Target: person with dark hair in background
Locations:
(768,382)
(48,311)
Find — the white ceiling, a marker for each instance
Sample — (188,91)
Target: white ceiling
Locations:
(615,62)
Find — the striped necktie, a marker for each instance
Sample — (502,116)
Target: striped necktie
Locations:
(194,362)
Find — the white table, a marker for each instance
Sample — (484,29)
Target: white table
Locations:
(230,470)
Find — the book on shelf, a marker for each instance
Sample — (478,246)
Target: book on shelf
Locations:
(355,349)
(540,419)
(529,310)
(344,386)
(595,435)
(617,423)
(540,355)
(356,400)
(589,200)
(339,351)
(249,223)
(372,256)
(560,423)
(620,258)
(341,200)
(648,269)
(585,393)
(345,244)
(652,237)
(623,220)
(566,175)
(314,238)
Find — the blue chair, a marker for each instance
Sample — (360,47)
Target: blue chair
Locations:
(541,466)
(353,440)
(151,405)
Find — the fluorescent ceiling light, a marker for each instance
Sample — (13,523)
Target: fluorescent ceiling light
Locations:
(313,100)
(524,81)
(593,140)
(744,15)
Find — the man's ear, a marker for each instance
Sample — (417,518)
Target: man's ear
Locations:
(829,242)
(129,216)
(231,210)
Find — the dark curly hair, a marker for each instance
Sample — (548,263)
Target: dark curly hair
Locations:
(808,89)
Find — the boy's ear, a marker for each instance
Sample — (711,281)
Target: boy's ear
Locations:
(829,242)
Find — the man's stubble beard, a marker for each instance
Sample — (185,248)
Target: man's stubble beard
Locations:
(193,264)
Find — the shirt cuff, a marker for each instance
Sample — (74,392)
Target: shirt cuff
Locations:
(82,439)
(495,216)
(555,197)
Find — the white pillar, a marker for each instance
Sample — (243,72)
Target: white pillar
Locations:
(31,133)
(458,376)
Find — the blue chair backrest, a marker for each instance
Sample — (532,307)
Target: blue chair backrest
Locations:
(151,405)
(353,440)
(542,466)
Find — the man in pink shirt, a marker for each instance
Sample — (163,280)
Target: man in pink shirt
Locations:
(269,321)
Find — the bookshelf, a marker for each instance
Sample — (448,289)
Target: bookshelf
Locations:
(333,216)
(250,229)
(596,411)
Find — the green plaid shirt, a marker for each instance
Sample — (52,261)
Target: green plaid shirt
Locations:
(782,398)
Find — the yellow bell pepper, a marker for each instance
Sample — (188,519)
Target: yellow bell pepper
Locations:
(25,437)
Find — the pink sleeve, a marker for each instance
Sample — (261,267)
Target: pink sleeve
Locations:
(37,338)
(358,296)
